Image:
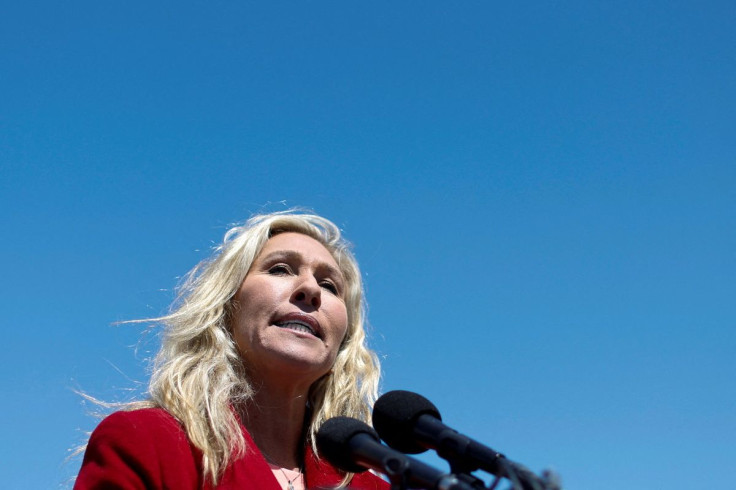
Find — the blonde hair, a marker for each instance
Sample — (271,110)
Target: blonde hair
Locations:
(198,374)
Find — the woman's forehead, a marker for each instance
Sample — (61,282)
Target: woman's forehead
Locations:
(298,245)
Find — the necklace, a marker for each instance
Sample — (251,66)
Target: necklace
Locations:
(290,482)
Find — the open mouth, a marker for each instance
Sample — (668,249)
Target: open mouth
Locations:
(298,326)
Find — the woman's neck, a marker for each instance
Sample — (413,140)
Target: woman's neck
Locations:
(275,420)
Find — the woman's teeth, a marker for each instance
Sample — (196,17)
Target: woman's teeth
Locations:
(299,327)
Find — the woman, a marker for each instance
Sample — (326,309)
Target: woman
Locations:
(264,343)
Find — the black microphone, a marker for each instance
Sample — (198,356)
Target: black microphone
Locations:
(353,446)
(410,423)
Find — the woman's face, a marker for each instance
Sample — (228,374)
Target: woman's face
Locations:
(290,316)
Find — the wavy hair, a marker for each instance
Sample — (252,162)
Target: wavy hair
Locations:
(198,373)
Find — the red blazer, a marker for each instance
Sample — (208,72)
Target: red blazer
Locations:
(148,449)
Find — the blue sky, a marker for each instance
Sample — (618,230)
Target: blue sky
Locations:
(540,194)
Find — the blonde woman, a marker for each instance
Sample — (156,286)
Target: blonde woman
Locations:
(263,344)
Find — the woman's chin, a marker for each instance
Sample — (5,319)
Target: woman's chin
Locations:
(298,365)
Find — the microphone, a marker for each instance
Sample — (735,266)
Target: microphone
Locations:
(410,423)
(353,446)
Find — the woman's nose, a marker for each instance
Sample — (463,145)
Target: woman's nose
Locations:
(308,292)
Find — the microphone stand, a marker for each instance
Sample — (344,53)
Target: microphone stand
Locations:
(520,477)
(461,477)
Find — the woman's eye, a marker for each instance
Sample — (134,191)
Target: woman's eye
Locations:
(329,286)
(279,269)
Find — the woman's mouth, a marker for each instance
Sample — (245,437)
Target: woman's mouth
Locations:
(300,322)
(297,325)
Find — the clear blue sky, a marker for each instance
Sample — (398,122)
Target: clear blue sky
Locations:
(542,196)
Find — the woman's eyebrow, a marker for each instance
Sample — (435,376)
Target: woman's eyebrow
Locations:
(282,254)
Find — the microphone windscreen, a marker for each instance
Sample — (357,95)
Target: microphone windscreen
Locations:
(333,441)
(395,415)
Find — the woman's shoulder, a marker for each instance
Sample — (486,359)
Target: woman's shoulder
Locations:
(140,448)
(144,420)
(151,433)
